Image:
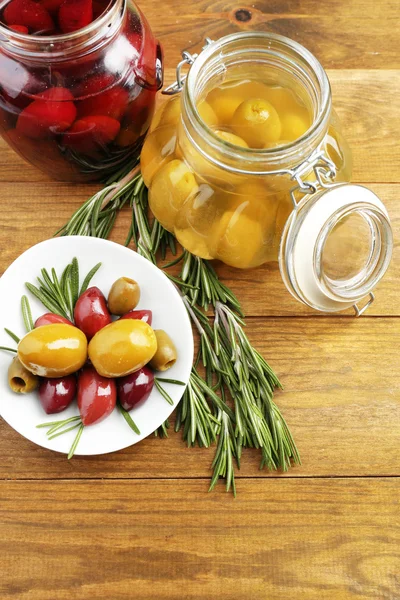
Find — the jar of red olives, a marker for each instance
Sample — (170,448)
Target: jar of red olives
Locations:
(78,80)
(249,165)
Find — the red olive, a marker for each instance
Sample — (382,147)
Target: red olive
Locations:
(140,315)
(135,388)
(57,394)
(91,312)
(50,318)
(97,396)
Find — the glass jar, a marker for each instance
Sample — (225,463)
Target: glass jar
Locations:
(289,202)
(78,105)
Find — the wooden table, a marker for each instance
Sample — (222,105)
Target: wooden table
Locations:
(140,523)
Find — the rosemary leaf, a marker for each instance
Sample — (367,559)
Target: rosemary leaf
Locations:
(76,442)
(12,335)
(163,393)
(89,278)
(128,419)
(27,314)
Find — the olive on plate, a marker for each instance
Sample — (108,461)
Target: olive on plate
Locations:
(135,388)
(53,350)
(124,296)
(20,379)
(166,354)
(50,318)
(97,396)
(91,312)
(56,394)
(141,315)
(122,347)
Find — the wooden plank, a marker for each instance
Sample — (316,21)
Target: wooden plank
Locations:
(171,540)
(341,401)
(44,207)
(367,101)
(349,35)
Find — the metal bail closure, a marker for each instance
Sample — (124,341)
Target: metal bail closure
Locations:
(336,246)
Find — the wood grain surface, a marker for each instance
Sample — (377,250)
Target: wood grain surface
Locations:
(139,523)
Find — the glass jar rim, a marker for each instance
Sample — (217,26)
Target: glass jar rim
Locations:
(20,41)
(274,155)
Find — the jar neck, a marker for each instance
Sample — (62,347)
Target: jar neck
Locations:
(58,48)
(285,57)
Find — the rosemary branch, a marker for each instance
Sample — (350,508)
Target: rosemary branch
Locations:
(235,373)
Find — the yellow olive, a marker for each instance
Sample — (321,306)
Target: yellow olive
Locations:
(224,102)
(53,350)
(158,149)
(122,347)
(167,114)
(195,219)
(257,122)
(123,296)
(245,231)
(293,126)
(231,138)
(207,114)
(166,354)
(172,185)
(20,379)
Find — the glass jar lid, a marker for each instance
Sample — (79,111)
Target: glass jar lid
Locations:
(335,248)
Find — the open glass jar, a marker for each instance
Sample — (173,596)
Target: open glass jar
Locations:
(77,104)
(279,192)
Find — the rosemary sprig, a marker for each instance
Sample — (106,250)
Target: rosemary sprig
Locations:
(234,371)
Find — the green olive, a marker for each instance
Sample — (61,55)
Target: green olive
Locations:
(256,122)
(124,296)
(20,379)
(166,354)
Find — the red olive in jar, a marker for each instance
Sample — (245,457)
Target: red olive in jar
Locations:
(97,396)
(53,112)
(140,315)
(29,14)
(135,388)
(49,319)
(91,312)
(56,394)
(74,15)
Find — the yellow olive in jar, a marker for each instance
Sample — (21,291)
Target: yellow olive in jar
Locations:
(20,379)
(245,230)
(207,114)
(231,138)
(257,122)
(293,126)
(53,350)
(158,149)
(172,185)
(167,114)
(122,347)
(124,295)
(224,102)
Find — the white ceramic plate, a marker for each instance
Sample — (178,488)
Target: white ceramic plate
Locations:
(24,412)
